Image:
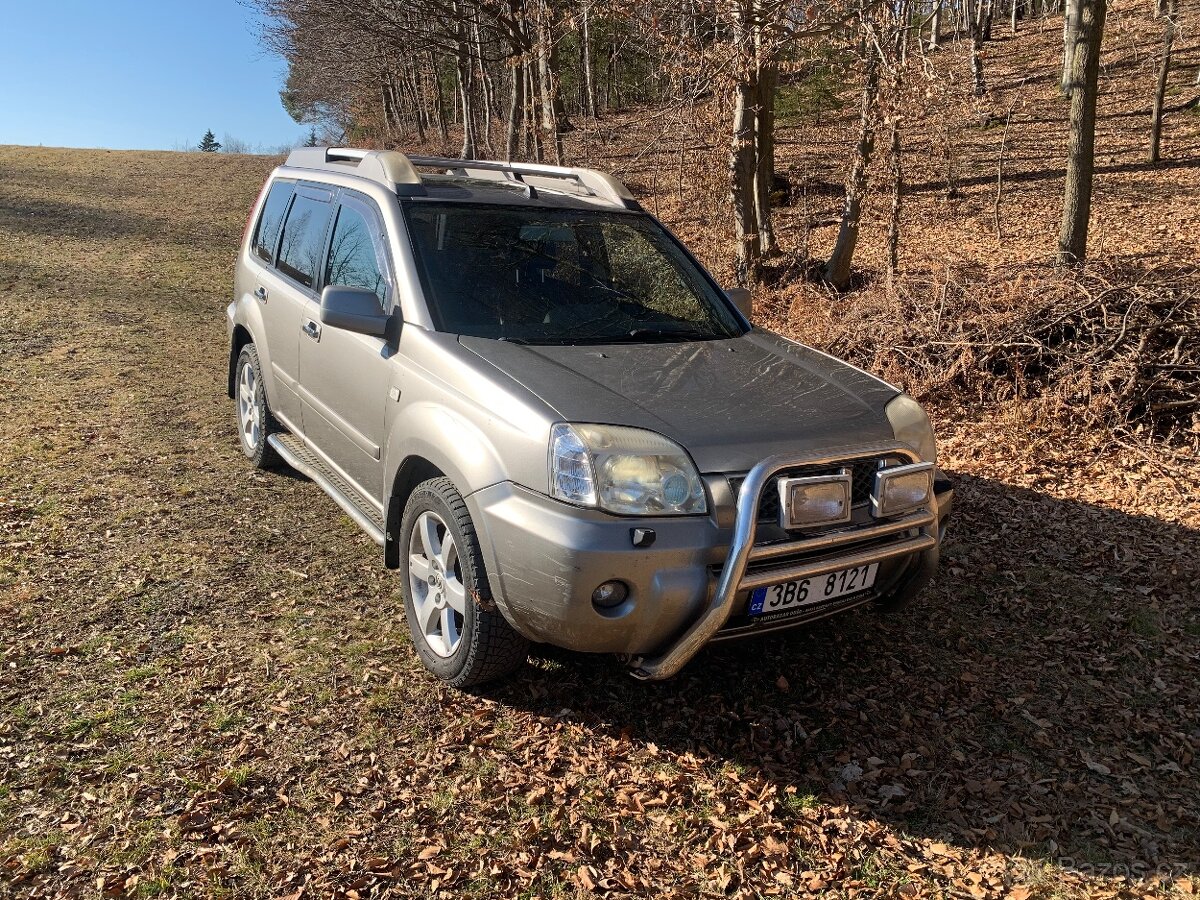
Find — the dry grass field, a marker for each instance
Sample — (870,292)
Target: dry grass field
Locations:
(206,686)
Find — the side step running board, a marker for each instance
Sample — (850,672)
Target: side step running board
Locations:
(294,452)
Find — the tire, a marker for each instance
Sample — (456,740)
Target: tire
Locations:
(914,580)
(254,418)
(458,633)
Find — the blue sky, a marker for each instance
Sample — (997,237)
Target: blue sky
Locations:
(125,74)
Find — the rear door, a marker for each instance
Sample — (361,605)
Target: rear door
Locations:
(286,288)
(345,376)
(280,319)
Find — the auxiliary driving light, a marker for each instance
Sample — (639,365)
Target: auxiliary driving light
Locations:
(610,594)
(813,501)
(900,489)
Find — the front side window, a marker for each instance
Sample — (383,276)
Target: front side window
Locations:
(271,218)
(354,254)
(303,242)
(555,276)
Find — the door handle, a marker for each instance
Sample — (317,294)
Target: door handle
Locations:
(261,293)
(312,329)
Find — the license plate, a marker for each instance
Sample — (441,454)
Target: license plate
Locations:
(807,591)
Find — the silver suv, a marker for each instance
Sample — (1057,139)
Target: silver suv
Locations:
(555,423)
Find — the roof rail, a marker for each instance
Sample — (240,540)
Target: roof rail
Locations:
(598,184)
(396,172)
(387,167)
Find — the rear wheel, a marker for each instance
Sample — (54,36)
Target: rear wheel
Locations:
(255,421)
(457,631)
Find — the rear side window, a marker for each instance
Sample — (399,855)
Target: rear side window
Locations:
(303,242)
(271,218)
(354,254)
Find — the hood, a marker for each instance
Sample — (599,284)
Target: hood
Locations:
(729,403)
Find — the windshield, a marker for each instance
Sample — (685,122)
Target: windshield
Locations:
(555,276)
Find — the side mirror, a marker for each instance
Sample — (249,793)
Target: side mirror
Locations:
(741,299)
(354,309)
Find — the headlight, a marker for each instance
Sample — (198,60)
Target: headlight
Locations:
(911,426)
(623,470)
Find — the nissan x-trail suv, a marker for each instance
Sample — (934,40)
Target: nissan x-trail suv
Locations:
(555,423)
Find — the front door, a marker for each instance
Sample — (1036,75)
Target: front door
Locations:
(345,376)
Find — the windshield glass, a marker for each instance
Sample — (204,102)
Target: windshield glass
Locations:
(555,276)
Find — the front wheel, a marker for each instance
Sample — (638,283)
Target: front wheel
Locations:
(456,629)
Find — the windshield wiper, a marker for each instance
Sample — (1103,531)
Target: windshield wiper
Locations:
(641,336)
(687,335)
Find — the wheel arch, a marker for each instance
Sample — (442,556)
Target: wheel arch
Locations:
(412,471)
(429,440)
(240,338)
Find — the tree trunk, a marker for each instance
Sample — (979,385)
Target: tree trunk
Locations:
(389,109)
(1071,12)
(837,270)
(469,144)
(464,67)
(1160,91)
(415,99)
(742,170)
(419,93)
(485,81)
(895,159)
(764,153)
(439,99)
(554,115)
(1085,74)
(897,174)
(533,133)
(516,106)
(585,41)
(935,25)
(1013,16)
(975,18)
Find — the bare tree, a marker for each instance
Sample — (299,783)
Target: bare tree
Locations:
(935,25)
(587,80)
(837,269)
(554,114)
(1160,90)
(1084,78)
(977,15)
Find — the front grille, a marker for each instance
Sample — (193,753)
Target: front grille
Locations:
(862,471)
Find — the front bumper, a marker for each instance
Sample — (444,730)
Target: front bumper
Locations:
(691,586)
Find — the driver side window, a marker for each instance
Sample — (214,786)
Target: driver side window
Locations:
(356,254)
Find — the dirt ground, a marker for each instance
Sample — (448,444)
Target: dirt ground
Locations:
(206,685)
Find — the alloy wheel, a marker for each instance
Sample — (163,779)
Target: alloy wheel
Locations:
(439,596)
(249,407)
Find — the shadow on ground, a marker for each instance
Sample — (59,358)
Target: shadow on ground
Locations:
(1040,698)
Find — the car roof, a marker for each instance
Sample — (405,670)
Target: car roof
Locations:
(485,181)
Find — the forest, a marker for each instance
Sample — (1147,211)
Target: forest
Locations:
(789,131)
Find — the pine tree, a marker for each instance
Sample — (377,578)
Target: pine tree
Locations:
(209,143)
(312,140)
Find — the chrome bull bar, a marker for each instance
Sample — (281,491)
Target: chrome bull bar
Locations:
(742,551)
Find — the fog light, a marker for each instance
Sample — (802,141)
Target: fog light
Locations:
(814,501)
(610,594)
(901,488)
